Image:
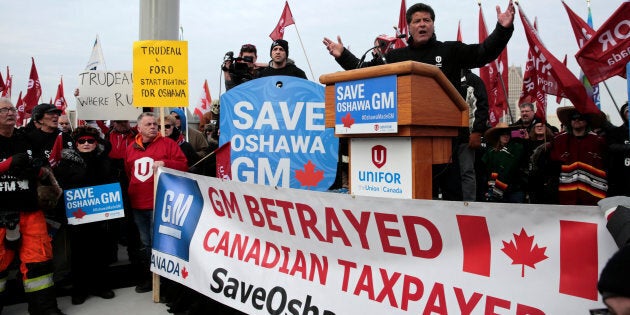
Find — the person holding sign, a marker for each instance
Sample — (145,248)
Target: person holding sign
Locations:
(149,151)
(23,229)
(84,166)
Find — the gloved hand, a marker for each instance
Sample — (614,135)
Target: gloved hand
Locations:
(474,141)
(19,161)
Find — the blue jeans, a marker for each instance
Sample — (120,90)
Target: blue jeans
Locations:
(144,222)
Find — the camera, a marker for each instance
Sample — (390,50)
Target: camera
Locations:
(237,66)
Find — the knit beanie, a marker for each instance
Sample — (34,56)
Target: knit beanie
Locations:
(280,42)
(616,275)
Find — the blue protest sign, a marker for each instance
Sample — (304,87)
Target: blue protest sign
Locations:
(366,106)
(178,205)
(94,203)
(277,133)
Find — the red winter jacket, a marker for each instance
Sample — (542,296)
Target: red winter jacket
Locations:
(139,167)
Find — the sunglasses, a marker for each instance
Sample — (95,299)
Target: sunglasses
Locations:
(88,140)
(578,117)
(166,126)
(176,117)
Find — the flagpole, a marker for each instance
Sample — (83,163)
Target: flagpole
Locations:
(307,61)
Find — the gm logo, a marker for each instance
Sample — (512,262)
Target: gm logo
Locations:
(178,206)
(379,155)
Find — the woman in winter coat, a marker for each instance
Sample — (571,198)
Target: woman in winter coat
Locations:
(87,165)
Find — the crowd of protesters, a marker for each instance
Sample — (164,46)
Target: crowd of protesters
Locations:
(48,147)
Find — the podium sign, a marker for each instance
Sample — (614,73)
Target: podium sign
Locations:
(366,106)
(387,173)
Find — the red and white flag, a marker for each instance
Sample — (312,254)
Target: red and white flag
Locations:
(224,161)
(205,101)
(570,86)
(60,100)
(606,54)
(1,84)
(286,19)
(55,152)
(532,92)
(494,75)
(402,26)
(21,115)
(6,92)
(34,91)
(583,32)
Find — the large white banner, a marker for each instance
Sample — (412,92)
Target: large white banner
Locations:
(268,250)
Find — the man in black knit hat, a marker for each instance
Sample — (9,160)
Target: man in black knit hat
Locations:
(280,63)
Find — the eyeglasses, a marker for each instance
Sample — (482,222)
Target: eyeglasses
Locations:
(5,110)
(88,140)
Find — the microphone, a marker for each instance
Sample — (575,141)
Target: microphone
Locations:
(378,51)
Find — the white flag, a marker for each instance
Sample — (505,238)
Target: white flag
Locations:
(96,59)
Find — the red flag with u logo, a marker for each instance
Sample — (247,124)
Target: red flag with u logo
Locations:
(286,19)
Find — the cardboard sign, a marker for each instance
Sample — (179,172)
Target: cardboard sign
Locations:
(161,71)
(106,95)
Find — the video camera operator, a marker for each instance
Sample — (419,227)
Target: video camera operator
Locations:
(240,69)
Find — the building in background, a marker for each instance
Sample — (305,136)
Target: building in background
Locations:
(515,85)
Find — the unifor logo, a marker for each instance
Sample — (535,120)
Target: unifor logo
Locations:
(379,155)
(143,168)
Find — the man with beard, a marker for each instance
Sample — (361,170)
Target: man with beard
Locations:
(280,63)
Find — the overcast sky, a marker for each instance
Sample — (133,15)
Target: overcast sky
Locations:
(60,34)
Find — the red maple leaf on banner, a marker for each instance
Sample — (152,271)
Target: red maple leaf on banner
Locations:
(522,252)
(184,273)
(309,177)
(347,120)
(79,214)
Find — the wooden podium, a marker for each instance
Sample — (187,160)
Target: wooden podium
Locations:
(430,111)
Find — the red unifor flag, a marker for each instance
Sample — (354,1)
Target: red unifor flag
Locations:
(21,115)
(55,152)
(460,38)
(205,101)
(60,100)
(286,19)
(606,54)
(570,86)
(494,76)
(224,161)
(532,92)
(34,90)
(402,26)
(1,84)
(7,86)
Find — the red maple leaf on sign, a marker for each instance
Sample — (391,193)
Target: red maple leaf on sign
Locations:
(522,253)
(309,177)
(79,214)
(184,273)
(347,120)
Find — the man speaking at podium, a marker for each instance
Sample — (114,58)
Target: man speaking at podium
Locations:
(451,57)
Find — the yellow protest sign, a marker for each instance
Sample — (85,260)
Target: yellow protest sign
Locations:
(160,73)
